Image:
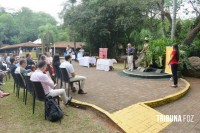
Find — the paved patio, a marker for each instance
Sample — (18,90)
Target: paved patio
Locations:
(114,91)
(188,105)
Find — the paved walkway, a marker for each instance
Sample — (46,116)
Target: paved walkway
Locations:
(113,91)
(139,118)
(188,105)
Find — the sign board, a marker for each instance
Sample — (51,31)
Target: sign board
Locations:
(33,54)
(103,53)
(168,53)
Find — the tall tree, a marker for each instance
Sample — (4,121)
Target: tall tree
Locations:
(8,29)
(191,35)
(48,35)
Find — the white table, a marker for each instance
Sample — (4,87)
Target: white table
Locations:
(104,64)
(73,57)
(86,61)
(80,55)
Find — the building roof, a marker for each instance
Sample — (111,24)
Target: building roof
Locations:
(27,44)
(65,44)
(38,41)
(31,44)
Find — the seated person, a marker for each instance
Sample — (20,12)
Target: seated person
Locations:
(21,69)
(49,58)
(29,61)
(70,69)
(33,68)
(2,94)
(8,59)
(39,57)
(56,64)
(2,66)
(17,59)
(13,65)
(51,71)
(47,83)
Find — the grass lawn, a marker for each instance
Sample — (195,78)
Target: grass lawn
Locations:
(16,117)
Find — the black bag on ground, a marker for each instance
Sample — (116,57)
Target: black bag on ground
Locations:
(52,109)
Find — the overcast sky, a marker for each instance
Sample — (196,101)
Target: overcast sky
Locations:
(52,7)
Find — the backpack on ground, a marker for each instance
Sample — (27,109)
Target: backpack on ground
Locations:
(52,109)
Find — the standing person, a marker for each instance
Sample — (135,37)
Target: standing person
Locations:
(20,53)
(129,52)
(174,60)
(76,54)
(68,50)
(50,51)
(81,51)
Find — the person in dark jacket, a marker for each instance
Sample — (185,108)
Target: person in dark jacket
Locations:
(29,61)
(12,66)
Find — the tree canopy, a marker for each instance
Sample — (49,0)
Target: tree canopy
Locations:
(24,25)
(114,23)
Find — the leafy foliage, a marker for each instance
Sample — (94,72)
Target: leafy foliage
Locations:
(156,51)
(48,34)
(105,23)
(22,26)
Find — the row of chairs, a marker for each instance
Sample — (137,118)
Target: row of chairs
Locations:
(62,75)
(36,89)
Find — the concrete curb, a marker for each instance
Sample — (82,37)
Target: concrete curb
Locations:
(146,76)
(169,98)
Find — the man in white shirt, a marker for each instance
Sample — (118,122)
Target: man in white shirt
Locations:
(73,77)
(47,83)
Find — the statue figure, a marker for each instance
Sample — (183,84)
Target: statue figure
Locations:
(144,51)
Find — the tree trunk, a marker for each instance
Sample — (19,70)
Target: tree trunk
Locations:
(163,15)
(174,20)
(164,33)
(43,47)
(191,35)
